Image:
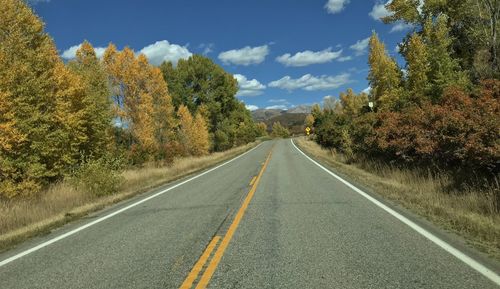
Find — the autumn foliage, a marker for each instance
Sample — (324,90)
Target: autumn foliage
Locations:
(460,131)
(437,115)
(60,120)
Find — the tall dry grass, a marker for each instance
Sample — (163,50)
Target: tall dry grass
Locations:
(470,212)
(21,219)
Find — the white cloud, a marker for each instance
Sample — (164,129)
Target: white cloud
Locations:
(156,53)
(207,48)
(278,106)
(70,53)
(309,82)
(367,90)
(280,100)
(360,46)
(245,56)
(164,51)
(400,26)
(308,57)
(99,51)
(328,97)
(344,58)
(251,107)
(335,6)
(248,87)
(379,11)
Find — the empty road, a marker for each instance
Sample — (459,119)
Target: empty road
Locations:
(269,219)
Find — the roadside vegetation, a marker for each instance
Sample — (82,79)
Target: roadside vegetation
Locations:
(63,201)
(78,132)
(279,131)
(427,134)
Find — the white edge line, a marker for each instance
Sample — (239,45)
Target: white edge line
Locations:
(447,247)
(74,231)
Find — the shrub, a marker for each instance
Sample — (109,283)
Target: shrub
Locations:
(328,130)
(279,130)
(221,141)
(459,132)
(98,177)
(346,143)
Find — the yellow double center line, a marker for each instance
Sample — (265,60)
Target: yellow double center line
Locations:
(212,266)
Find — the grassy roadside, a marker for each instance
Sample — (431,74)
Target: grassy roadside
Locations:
(61,203)
(468,214)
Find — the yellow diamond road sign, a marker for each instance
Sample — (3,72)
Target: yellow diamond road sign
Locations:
(308,129)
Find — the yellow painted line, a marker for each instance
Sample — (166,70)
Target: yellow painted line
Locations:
(207,275)
(253,180)
(199,264)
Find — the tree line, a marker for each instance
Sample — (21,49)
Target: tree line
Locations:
(55,116)
(440,111)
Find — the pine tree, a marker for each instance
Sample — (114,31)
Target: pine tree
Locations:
(418,66)
(96,102)
(384,76)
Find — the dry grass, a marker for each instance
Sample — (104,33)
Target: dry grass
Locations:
(469,213)
(61,203)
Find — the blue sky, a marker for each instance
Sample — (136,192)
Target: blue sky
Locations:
(283,53)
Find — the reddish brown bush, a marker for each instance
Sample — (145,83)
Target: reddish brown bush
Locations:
(460,131)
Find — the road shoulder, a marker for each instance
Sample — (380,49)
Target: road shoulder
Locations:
(453,239)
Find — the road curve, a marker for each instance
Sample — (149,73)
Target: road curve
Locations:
(261,221)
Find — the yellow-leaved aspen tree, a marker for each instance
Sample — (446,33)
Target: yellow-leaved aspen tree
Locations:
(134,104)
(200,139)
(96,118)
(352,103)
(418,66)
(384,76)
(40,104)
(162,108)
(309,121)
(185,128)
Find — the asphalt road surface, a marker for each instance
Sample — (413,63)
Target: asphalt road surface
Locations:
(269,219)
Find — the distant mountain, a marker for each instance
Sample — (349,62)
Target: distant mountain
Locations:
(293,119)
(300,109)
(264,114)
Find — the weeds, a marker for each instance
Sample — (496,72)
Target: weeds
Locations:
(64,201)
(99,177)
